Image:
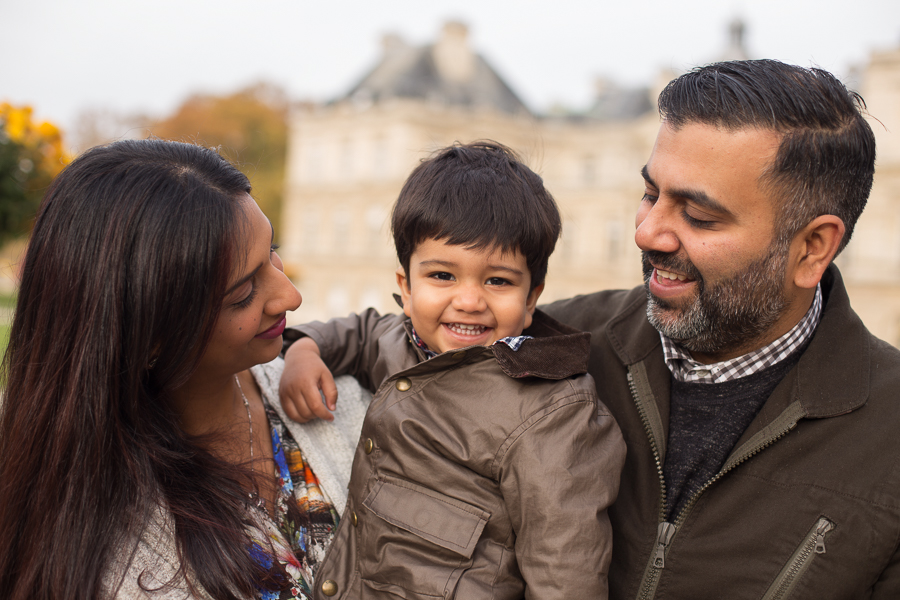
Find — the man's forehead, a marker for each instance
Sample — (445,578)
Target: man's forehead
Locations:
(717,167)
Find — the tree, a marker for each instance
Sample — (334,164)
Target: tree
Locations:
(31,155)
(249,128)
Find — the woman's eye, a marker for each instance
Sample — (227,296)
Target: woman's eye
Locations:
(274,247)
(246,301)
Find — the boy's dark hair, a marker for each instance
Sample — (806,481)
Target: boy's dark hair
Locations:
(480,196)
(826,159)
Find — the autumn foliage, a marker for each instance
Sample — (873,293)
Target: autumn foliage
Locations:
(31,155)
(248,127)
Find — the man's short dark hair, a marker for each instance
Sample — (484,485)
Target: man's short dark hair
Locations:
(480,196)
(826,159)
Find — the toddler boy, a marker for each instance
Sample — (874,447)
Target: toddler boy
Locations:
(486,462)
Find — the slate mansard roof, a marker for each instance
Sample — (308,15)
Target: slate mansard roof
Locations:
(447,72)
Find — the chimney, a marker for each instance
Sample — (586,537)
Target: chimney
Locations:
(454,58)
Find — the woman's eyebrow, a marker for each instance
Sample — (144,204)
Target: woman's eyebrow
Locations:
(243,280)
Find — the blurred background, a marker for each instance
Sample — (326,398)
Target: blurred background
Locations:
(327,106)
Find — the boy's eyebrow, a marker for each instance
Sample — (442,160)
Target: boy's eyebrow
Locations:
(699,197)
(435,262)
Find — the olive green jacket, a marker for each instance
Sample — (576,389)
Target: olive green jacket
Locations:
(807,505)
(481,473)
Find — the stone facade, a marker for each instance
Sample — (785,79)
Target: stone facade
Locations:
(348,159)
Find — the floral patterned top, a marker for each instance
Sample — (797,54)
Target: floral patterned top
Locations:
(299,534)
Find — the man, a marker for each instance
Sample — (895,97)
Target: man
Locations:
(760,415)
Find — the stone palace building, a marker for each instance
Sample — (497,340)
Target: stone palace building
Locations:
(347,160)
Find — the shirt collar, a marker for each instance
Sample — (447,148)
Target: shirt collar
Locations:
(687,370)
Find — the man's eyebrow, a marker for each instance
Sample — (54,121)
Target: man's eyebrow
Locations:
(646,175)
(698,197)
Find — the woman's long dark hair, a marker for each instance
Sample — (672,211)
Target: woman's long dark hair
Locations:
(123,280)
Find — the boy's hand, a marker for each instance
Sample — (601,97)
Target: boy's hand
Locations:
(304,375)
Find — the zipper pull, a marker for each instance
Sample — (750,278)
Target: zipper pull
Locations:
(664,534)
(824,527)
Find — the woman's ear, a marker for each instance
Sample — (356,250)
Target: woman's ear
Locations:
(403,283)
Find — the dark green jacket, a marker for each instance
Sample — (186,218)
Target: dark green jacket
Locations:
(807,504)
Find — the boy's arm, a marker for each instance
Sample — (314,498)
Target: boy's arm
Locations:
(317,351)
(308,376)
(558,479)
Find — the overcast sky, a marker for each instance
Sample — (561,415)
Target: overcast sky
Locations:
(62,56)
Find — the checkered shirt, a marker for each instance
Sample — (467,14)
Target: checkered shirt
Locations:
(687,370)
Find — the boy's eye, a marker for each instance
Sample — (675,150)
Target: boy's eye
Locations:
(497,281)
(442,275)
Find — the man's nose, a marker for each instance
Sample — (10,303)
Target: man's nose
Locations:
(654,227)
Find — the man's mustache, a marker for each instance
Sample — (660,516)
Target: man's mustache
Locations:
(668,262)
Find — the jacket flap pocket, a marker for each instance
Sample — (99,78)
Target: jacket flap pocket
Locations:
(444,521)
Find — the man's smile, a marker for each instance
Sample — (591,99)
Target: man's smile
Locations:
(660,275)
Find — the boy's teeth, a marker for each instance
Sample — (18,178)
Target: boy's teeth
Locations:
(463,329)
(669,275)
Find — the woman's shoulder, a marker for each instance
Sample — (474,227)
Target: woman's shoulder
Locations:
(328,446)
(145,564)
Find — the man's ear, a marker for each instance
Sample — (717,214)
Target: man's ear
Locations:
(813,249)
(531,303)
(403,283)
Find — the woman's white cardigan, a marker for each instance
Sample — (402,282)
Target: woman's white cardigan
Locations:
(328,446)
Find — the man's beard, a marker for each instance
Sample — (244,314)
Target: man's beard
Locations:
(725,315)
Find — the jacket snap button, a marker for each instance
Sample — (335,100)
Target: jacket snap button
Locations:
(329,588)
(459,355)
(369,446)
(354,519)
(403,384)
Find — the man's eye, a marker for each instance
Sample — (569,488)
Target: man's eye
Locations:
(695,222)
(648,197)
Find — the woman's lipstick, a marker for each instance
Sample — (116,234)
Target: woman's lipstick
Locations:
(274,331)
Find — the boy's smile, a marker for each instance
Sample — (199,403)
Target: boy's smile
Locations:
(458,296)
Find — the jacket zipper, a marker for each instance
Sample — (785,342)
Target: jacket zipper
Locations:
(800,561)
(666,531)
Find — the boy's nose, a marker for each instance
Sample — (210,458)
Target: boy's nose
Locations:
(469,298)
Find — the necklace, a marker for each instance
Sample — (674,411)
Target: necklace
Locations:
(254,497)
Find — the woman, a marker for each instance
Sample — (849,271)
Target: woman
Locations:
(140,455)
